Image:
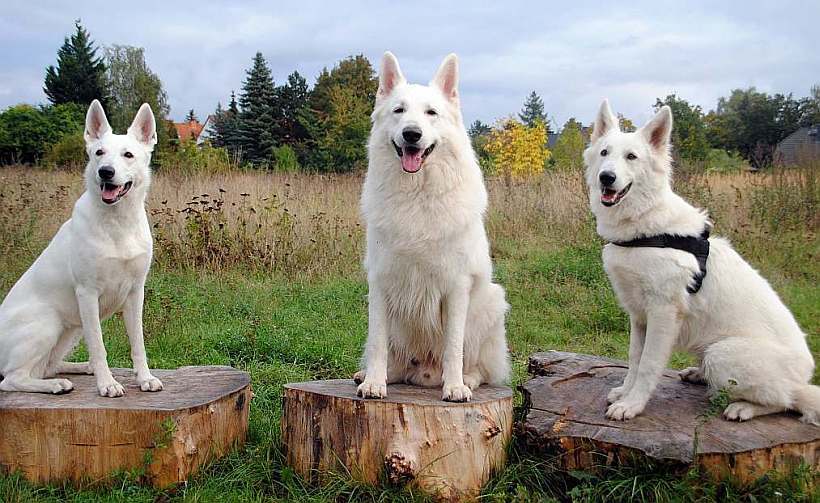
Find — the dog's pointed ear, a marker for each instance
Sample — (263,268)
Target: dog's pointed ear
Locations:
(390,76)
(446,77)
(96,124)
(604,122)
(658,130)
(144,128)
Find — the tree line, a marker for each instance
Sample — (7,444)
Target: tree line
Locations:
(294,126)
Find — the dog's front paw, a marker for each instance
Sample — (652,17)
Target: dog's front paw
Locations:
(692,375)
(60,386)
(150,383)
(369,389)
(624,410)
(111,389)
(456,393)
(615,394)
(359,377)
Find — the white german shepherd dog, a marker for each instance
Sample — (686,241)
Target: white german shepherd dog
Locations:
(744,337)
(435,316)
(95,266)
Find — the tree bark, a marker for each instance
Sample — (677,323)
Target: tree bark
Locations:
(566,402)
(164,437)
(448,450)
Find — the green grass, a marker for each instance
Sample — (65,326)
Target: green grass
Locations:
(279,331)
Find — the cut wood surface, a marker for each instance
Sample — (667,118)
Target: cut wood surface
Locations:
(201,414)
(447,449)
(567,400)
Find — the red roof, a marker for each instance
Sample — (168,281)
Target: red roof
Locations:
(189,130)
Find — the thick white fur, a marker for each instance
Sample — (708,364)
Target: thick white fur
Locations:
(744,336)
(435,316)
(95,266)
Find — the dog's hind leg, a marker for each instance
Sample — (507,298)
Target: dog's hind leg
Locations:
(56,362)
(487,316)
(761,376)
(21,380)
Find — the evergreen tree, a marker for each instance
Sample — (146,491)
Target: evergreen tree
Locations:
(223,128)
(533,112)
(478,128)
(256,125)
(191,117)
(79,76)
(291,98)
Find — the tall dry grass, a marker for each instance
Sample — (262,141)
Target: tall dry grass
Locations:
(308,225)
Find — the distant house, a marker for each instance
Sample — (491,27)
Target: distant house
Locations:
(193,130)
(801,145)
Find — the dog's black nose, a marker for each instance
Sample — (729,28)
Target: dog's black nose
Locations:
(106,172)
(411,134)
(607,178)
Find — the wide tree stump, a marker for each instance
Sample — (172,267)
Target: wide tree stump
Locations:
(446,449)
(164,437)
(566,403)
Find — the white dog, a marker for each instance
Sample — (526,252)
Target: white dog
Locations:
(95,266)
(435,316)
(719,309)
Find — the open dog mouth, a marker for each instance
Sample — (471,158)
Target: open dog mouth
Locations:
(611,197)
(412,157)
(112,193)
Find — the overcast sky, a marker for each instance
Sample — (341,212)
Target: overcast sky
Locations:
(571,53)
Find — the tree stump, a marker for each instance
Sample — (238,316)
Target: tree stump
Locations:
(566,402)
(448,450)
(164,437)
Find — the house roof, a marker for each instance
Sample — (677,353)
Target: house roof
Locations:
(803,143)
(189,130)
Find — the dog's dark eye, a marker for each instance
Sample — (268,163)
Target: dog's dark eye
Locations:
(631,156)
(128,155)
(399,110)
(99,152)
(604,153)
(432,112)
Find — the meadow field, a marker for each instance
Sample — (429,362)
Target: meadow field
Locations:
(262,271)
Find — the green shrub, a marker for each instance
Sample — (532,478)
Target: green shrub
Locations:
(68,153)
(284,159)
(190,158)
(721,161)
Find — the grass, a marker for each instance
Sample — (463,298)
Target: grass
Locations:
(302,314)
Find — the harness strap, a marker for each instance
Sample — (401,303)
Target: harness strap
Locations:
(696,245)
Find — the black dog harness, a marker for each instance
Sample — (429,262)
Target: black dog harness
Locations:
(696,245)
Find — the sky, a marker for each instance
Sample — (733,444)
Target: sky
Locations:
(573,54)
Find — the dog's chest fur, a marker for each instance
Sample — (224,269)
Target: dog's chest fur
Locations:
(647,277)
(114,257)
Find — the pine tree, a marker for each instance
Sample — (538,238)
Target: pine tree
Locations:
(291,98)
(223,127)
(79,76)
(191,117)
(256,124)
(533,112)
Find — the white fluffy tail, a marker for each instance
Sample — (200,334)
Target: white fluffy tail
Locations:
(807,402)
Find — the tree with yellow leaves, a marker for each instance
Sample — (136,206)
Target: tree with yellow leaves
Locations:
(517,150)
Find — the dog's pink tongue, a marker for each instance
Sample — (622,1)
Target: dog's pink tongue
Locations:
(411,162)
(110,192)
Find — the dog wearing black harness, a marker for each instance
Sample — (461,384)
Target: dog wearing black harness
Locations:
(686,289)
